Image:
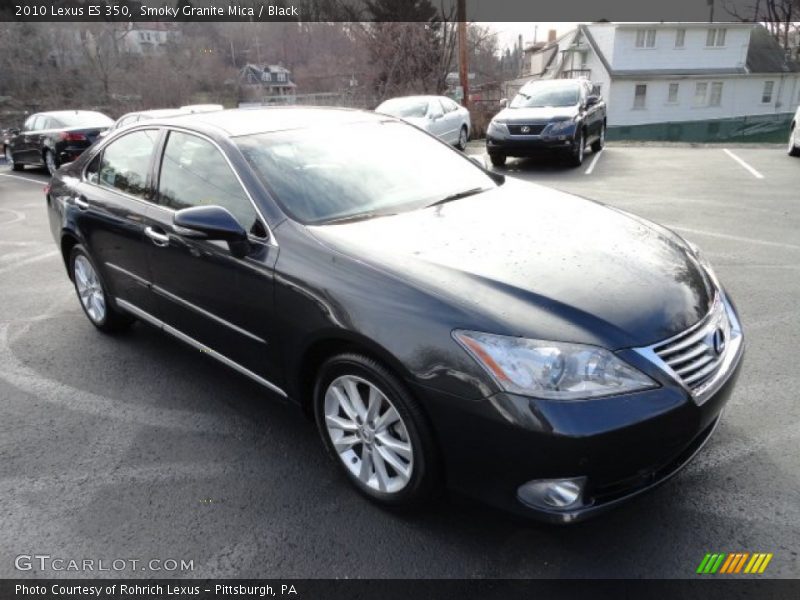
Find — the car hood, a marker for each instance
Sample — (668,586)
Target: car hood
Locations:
(534,262)
(543,113)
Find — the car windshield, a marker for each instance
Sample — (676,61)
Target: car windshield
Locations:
(404,107)
(546,94)
(83,119)
(359,170)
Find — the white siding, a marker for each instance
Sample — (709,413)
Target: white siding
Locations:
(741,95)
(693,55)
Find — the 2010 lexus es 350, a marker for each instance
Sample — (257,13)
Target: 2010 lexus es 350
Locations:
(446,327)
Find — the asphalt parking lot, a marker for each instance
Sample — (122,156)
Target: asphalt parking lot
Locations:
(138,447)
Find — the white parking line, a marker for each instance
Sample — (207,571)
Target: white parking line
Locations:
(736,238)
(28,261)
(752,171)
(589,170)
(28,179)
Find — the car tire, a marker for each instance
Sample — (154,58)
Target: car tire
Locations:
(576,158)
(382,441)
(15,166)
(498,160)
(51,162)
(93,293)
(463,137)
(793,149)
(600,142)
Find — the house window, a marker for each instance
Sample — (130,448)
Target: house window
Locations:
(715,37)
(645,38)
(680,38)
(672,95)
(715,97)
(281,77)
(700,93)
(639,96)
(766,95)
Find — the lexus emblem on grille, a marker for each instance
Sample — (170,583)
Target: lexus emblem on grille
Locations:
(525,129)
(719,341)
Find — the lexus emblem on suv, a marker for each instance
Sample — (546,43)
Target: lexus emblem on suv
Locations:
(525,129)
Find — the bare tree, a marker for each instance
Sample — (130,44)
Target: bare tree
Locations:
(780,17)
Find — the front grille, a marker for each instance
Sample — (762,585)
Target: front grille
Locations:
(533,128)
(696,355)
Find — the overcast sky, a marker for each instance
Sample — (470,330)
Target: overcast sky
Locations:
(507,32)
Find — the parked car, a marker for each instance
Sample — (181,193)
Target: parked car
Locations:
(794,135)
(562,116)
(542,352)
(438,115)
(162,113)
(51,139)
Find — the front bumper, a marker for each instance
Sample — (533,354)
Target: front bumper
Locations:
(622,445)
(529,145)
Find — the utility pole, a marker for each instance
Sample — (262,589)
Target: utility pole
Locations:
(463,67)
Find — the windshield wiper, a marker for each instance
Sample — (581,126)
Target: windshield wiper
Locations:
(358,217)
(458,196)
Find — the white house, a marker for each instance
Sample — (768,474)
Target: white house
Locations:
(148,38)
(682,80)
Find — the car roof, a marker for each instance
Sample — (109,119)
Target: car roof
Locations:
(63,113)
(247,121)
(415,98)
(158,113)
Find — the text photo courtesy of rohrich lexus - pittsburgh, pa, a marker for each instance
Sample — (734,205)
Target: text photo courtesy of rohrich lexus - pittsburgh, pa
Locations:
(383,298)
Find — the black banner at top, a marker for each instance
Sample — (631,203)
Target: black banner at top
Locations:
(375,10)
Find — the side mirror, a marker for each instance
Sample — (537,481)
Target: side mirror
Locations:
(592,100)
(435,116)
(14,131)
(503,102)
(212,223)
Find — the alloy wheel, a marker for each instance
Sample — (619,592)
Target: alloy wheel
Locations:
(368,434)
(462,138)
(792,142)
(50,161)
(9,157)
(89,289)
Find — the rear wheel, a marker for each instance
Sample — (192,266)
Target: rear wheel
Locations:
(600,142)
(794,143)
(10,160)
(498,160)
(462,138)
(93,294)
(50,162)
(376,432)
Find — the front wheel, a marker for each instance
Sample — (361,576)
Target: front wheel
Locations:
(463,135)
(498,160)
(50,162)
(376,432)
(600,142)
(93,294)
(794,146)
(576,158)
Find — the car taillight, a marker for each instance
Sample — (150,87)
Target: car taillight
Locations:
(72,137)
(47,189)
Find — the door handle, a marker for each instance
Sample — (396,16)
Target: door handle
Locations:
(159,239)
(80,203)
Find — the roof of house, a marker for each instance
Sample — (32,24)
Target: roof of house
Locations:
(764,55)
(258,70)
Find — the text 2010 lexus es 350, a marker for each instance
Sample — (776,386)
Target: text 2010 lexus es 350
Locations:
(539,351)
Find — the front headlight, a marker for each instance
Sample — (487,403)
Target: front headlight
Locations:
(498,126)
(559,127)
(554,370)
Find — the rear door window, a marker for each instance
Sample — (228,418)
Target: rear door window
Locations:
(125,163)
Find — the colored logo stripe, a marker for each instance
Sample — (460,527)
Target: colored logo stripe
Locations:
(734,562)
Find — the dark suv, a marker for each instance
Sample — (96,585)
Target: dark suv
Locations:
(562,115)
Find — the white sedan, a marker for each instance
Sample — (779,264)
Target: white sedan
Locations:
(794,135)
(438,115)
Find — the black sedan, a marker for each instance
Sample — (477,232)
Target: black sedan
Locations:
(560,116)
(51,139)
(443,326)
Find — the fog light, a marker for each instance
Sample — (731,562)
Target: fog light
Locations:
(553,494)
